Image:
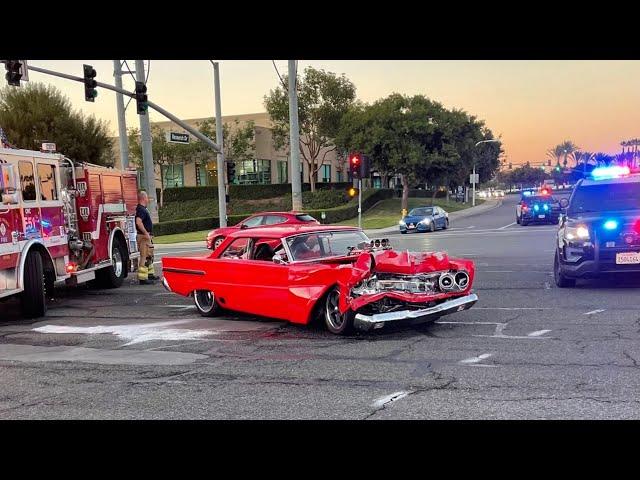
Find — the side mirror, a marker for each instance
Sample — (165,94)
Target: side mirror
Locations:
(243,226)
(564,203)
(278,259)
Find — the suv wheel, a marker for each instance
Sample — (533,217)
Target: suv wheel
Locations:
(561,280)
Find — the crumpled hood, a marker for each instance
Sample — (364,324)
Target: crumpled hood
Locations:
(410,263)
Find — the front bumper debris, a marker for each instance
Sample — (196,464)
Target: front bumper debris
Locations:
(378,320)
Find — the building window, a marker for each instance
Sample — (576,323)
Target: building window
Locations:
(253,172)
(338,176)
(283,171)
(201,175)
(325,173)
(377,182)
(173,175)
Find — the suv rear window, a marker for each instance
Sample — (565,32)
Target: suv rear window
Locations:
(305,218)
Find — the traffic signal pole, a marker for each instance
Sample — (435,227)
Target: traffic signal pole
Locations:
(147,152)
(222,204)
(122,122)
(294,140)
(359,203)
(156,107)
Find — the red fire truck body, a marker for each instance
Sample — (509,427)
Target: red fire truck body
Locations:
(63,221)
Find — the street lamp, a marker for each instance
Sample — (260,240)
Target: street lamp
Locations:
(473,183)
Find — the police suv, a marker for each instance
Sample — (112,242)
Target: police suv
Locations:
(600,228)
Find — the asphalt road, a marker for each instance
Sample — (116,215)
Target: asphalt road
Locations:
(527,350)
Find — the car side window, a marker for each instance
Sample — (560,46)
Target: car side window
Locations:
(274,220)
(238,249)
(253,222)
(264,249)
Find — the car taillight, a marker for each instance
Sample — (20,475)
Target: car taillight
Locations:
(71,267)
(636,227)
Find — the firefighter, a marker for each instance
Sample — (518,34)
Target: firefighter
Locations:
(144,226)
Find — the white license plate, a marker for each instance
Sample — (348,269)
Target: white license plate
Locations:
(627,258)
(411,225)
(540,216)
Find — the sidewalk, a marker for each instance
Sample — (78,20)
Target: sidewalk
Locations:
(468,212)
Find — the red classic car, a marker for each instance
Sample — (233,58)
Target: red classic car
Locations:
(215,237)
(299,273)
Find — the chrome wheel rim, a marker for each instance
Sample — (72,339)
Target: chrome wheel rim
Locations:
(204,300)
(332,311)
(118,264)
(217,242)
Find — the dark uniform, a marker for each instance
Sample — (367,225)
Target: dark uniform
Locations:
(145,264)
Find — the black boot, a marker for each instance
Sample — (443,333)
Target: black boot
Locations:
(145,282)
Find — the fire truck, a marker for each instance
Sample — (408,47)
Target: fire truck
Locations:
(63,221)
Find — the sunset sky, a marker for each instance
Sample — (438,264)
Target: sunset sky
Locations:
(533,105)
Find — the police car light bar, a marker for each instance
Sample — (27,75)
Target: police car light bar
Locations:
(614,171)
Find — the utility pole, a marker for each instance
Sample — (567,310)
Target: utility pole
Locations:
(147,152)
(473,182)
(222,204)
(122,123)
(294,139)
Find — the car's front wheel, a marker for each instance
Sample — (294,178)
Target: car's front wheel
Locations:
(206,304)
(216,242)
(432,228)
(561,280)
(336,322)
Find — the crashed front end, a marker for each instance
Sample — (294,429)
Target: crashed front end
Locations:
(390,286)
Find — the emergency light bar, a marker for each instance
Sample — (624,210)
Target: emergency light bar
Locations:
(615,171)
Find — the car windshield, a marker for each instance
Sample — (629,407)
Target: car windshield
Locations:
(318,245)
(421,212)
(606,197)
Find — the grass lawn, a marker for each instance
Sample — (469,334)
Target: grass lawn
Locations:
(387,213)
(182,237)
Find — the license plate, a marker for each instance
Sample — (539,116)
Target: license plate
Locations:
(627,258)
(540,216)
(411,225)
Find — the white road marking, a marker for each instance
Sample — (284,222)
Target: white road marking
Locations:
(507,226)
(134,333)
(392,397)
(472,226)
(477,359)
(593,312)
(513,308)
(183,307)
(537,333)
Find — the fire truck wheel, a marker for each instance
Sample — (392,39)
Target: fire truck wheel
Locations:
(113,276)
(33,300)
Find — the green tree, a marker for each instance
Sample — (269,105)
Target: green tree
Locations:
(323,99)
(238,141)
(562,151)
(36,113)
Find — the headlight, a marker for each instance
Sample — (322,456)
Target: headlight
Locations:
(576,233)
(401,223)
(426,221)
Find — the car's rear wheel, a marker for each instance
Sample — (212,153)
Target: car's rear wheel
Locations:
(446,224)
(113,276)
(561,280)
(206,304)
(517,219)
(336,322)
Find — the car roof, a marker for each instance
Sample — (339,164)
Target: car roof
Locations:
(276,213)
(283,231)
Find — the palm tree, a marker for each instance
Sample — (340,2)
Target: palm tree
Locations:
(567,148)
(603,159)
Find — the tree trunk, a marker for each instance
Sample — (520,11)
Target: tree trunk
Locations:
(433,197)
(405,193)
(161,188)
(312,179)
(385,181)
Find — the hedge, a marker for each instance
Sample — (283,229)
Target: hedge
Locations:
(333,215)
(416,193)
(244,192)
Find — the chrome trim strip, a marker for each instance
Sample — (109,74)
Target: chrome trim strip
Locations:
(183,270)
(461,303)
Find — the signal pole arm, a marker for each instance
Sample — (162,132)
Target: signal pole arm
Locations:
(157,108)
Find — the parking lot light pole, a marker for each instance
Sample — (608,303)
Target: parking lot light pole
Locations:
(222,191)
(473,183)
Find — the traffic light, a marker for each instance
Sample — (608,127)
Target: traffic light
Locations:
(352,192)
(13,74)
(90,84)
(355,162)
(141,98)
(231,172)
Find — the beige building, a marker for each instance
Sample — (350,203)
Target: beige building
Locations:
(270,165)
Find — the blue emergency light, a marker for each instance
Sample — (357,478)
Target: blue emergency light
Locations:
(614,171)
(610,224)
